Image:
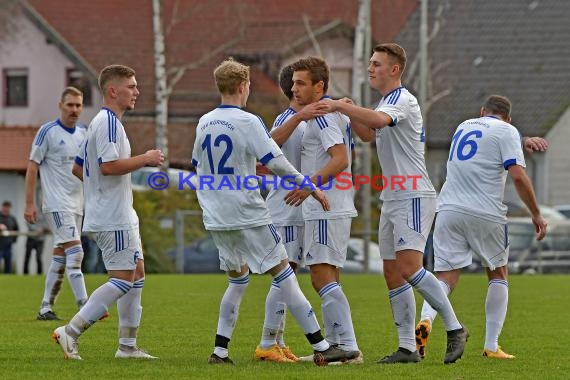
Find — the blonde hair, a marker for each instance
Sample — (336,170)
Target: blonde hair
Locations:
(229,75)
(113,72)
(70,91)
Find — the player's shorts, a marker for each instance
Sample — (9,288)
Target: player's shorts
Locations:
(292,238)
(258,247)
(121,250)
(405,224)
(65,227)
(458,236)
(326,241)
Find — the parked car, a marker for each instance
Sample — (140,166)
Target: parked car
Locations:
(140,178)
(355,257)
(564,210)
(520,210)
(200,256)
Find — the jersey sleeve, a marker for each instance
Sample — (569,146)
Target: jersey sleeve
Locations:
(108,140)
(40,145)
(396,107)
(330,130)
(260,142)
(511,148)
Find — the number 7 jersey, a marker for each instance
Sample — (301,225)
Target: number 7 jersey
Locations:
(228,143)
(481,152)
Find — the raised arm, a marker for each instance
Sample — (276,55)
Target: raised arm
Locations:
(310,111)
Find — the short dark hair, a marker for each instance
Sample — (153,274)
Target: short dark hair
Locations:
(317,67)
(395,51)
(286,81)
(71,91)
(498,105)
(113,72)
(6,204)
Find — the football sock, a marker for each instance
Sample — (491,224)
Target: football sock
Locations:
(54,279)
(428,286)
(274,314)
(403,306)
(229,306)
(130,310)
(495,312)
(98,304)
(73,258)
(428,312)
(338,316)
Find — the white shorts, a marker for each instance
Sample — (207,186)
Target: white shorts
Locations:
(405,224)
(258,247)
(326,241)
(121,250)
(458,236)
(292,238)
(65,227)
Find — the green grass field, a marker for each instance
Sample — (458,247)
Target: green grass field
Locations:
(180,318)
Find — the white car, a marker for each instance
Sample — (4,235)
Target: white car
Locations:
(145,179)
(355,257)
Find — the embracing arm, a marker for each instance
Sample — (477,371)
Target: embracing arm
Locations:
(127,165)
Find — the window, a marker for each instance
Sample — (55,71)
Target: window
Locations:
(16,87)
(79,80)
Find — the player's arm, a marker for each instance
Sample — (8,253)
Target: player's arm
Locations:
(536,143)
(337,163)
(124,166)
(282,134)
(283,168)
(358,115)
(77,170)
(30,213)
(526,193)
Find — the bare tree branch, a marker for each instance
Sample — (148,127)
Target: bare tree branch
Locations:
(176,73)
(318,52)
(435,98)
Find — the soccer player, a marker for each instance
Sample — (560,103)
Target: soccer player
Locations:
(325,153)
(471,216)
(287,132)
(52,154)
(228,142)
(408,208)
(104,164)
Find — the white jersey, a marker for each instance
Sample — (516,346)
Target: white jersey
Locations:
(322,133)
(281,213)
(481,151)
(108,199)
(400,148)
(54,149)
(228,143)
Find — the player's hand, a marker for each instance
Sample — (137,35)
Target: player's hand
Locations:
(540,226)
(262,170)
(296,197)
(532,144)
(154,157)
(322,199)
(310,111)
(31,214)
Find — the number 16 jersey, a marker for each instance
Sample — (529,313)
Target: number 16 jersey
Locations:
(481,152)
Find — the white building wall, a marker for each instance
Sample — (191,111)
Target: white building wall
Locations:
(556,184)
(47,68)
